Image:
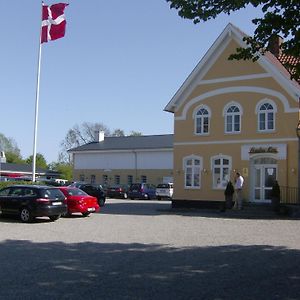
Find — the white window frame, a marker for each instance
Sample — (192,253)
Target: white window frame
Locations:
(232,115)
(224,178)
(201,119)
(194,170)
(266,113)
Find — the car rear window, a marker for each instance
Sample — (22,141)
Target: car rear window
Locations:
(52,194)
(164,186)
(135,187)
(76,192)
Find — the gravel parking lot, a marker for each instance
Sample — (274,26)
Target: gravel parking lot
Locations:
(146,250)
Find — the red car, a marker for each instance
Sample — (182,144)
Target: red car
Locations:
(79,201)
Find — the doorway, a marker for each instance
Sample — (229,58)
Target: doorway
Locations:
(265,174)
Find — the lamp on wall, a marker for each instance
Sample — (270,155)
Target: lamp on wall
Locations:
(298,135)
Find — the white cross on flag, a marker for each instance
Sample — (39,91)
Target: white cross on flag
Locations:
(53,22)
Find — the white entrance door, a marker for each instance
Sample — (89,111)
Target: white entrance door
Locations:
(264,178)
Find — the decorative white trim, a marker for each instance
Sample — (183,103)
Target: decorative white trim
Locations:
(232,103)
(237,89)
(220,155)
(192,156)
(229,33)
(223,142)
(203,66)
(200,107)
(263,101)
(235,78)
(120,151)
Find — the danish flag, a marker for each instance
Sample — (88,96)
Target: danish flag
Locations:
(53,22)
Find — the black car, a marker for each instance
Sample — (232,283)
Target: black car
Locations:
(30,201)
(117,191)
(92,189)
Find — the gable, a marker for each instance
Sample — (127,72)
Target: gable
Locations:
(223,68)
(215,67)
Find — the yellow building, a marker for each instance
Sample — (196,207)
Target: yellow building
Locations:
(235,116)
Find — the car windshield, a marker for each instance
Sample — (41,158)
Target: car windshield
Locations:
(52,193)
(76,192)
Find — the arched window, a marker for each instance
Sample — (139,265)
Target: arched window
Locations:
(192,171)
(202,118)
(266,115)
(232,114)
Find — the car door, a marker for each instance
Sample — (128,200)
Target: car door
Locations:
(10,203)
(4,198)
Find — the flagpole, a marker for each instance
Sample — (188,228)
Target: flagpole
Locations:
(37,96)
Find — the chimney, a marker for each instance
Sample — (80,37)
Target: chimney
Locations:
(274,45)
(99,136)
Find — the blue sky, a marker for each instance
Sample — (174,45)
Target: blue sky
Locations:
(120,63)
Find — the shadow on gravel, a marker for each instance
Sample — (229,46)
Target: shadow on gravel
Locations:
(155,208)
(136,271)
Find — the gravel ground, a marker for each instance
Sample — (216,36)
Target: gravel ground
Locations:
(146,250)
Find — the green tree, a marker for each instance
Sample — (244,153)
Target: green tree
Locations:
(40,161)
(11,149)
(118,132)
(279,18)
(14,158)
(135,133)
(65,169)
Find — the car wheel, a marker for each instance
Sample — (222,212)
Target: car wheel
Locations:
(54,218)
(66,214)
(158,198)
(86,214)
(101,202)
(25,215)
(125,196)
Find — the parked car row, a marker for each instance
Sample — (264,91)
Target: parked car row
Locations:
(31,201)
(141,191)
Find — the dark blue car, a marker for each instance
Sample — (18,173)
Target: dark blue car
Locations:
(141,191)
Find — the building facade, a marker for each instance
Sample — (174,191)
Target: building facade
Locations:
(124,160)
(234,116)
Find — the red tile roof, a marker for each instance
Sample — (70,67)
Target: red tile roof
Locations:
(289,62)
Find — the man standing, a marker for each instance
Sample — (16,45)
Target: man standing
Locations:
(239,181)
